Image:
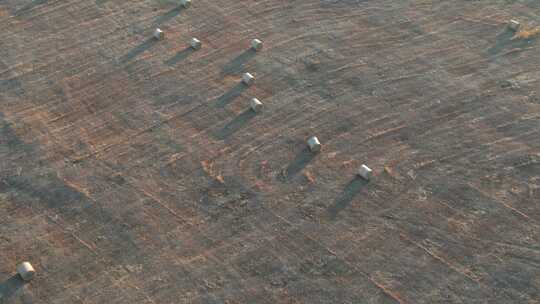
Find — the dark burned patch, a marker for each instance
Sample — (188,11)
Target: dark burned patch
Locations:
(160,148)
(324,265)
(437,117)
(526,165)
(9,140)
(462,197)
(524,130)
(28,183)
(229,198)
(517,278)
(333,4)
(201,118)
(264,264)
(101,2)
(13,151)
(311,66)
(42,191)
(11,85)
(46,190)
(302,72)
(512,124)
(215,277)
(316,260)
(494,220)
(27,7)
(118,179)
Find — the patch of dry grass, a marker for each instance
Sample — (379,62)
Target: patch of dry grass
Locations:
(527,33)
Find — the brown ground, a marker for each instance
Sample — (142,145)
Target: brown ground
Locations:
(132,172)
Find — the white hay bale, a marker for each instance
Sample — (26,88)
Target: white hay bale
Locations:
(195,43)
(256,44)
(26,271)
(256,105)
(314,144)
(365,172)
(248,79)
(159,34)
(514,25)
(185,3)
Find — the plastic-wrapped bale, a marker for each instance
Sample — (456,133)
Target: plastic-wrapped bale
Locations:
(514,25)
(195,43)
(159,34)
(365,172)
(26,271)
(314,144)
(248,79)
(256,44)
(185,3)
(256,105)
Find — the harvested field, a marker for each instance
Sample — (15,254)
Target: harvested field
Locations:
(133,171)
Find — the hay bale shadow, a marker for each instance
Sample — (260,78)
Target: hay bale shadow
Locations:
(236,124)
(237,64)
(180,56)
(136,51)
(505,41)
(347,195)
(29,7)
(168,16)
(231,95)
(10,287)
(298,164)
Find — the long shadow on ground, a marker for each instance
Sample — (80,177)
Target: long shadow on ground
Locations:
(298,164)
(504,41)
(351,190)
(168,16)
(180,56)
(236,124)
(9,287)
(136,51)
(237,64)
(231,95)
(27,8)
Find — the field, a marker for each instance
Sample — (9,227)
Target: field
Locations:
(133,171)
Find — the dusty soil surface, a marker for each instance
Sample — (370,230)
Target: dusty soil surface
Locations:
(132,171)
